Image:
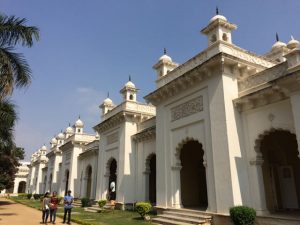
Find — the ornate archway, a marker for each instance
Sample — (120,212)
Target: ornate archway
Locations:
(67,174)
(88,177)
(277,152)
(190,158)
(151,178)
(111,174)
(22,187)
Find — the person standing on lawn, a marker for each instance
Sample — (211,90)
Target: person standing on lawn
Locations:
(45,207)
(54,201)
(68,200)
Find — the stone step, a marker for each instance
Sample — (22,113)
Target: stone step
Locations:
(187,215)
(189,211)
(92,209)
(182,219)
(158,220)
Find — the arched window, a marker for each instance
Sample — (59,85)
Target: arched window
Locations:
(225,37)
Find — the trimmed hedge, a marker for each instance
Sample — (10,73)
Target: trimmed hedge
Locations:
(102,203)
(242,215)
(143,208)
(85,202)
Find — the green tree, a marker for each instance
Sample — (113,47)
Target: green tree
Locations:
(14,69)
(14,72)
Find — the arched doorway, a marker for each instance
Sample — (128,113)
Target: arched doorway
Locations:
(281,170)
(151,167)
(193,175)
(45,183)
(50,183)
(22,187)
(67,181)
(112,179)
(88,181)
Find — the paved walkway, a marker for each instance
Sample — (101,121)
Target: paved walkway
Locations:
(12,213)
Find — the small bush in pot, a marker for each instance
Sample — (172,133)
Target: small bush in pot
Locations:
(29,196)
(85,202)
(143,208)
(242,215)
(102,203)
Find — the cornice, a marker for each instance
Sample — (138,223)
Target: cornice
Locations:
(273,91)
(218,22)
(146,134)
(186,80)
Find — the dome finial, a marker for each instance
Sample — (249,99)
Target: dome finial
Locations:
(292,38)
(108,94)
(277,37)
(165,51)
(217,10)
(69,124)
(79,117)
(129,78)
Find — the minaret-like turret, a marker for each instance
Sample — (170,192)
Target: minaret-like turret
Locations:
(164,65)
(218,29)
(129,91)
(79,126)
(107,105)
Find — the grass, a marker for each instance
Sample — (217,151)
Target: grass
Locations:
(116,217)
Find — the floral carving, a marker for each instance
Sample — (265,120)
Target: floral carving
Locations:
(188,108)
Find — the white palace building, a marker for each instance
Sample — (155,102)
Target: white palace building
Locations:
(219,130)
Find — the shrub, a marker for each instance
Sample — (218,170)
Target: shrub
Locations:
(22,195)
(101,203)
(143,208)
(242,215)
(29,196)
(85,202)
(36,196)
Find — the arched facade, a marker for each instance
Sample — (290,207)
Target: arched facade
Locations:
(277,150)
(22,187)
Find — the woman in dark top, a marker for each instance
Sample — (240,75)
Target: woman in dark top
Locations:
(54,201)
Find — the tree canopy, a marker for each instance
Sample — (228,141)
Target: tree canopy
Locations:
(14,72)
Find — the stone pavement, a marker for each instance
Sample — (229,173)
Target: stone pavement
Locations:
(12,213)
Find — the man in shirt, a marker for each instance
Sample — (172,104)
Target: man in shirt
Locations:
(68,200)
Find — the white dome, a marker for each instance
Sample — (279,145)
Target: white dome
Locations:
(69,130)
(79,123)
(107,101)
(278,44)
(165,58)
(53,141)
(293,43)
(44,148)
(60,136)
(129,84)
(218,17)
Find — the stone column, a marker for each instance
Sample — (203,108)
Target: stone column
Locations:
(257,186)
(176,186)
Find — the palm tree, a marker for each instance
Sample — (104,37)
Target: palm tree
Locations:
(14,69)
(8,118)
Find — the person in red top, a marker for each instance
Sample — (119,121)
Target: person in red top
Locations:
(54,201)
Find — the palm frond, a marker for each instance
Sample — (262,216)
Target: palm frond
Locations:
(14,70)
(13,30)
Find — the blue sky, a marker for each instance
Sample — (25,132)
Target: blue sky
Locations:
(88,48)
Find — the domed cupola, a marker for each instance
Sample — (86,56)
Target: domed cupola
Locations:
(278,44)
(129,91)
(69,131)
(217,16)
(218,29)
(53,142)
(292,44)
(164,65)
(60,138)
(107,105)
(79,126)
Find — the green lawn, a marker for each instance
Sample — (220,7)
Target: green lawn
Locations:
(116,217)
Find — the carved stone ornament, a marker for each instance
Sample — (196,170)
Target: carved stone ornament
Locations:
(186,109)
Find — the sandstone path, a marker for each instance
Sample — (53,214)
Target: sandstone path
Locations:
(12,213)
